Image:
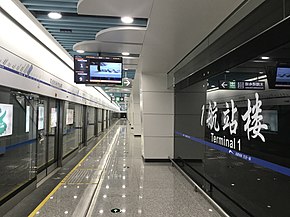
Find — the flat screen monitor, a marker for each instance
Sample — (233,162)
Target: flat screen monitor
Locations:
(282,77)
(98,70)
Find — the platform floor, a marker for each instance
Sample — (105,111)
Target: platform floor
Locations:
(113,180)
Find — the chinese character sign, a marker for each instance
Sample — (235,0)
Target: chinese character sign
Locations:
(211,120)
(253,119)
(232,124)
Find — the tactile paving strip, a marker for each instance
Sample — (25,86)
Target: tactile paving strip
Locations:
(84,176)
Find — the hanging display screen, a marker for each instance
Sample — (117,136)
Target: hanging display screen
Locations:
(98,70)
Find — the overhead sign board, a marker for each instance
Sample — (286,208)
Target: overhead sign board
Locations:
(242,85)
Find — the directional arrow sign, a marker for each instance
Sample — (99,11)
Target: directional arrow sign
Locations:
(223,84)
(127,83)
(231,152)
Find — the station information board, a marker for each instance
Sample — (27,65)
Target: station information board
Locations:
(242,85)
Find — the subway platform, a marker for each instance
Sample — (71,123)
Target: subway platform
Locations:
(113,180)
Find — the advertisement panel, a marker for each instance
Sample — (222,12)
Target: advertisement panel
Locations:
(53,117)
(40,117)
(6,119)
(69,116)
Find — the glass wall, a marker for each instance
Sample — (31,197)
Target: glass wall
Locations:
(91,122)
(100,118)
(72,127)
(18,114)
(43,135)
(29,140)
(231,135)
(53,109)
(105,119)
(79,123)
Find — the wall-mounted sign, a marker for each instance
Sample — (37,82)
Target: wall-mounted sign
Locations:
(53,117)
(6,119)
(69,116)
(242,85)
(41,117)
(252,120)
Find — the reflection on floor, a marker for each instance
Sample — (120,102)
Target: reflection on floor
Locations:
(113,180)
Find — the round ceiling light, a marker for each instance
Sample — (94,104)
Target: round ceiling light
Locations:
(54,15)
(127,19)
(125,53)
(80,51)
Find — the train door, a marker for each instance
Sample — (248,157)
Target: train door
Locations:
(47,136)
(96,122)
(17,142)
(103,122)
(99,121)
(85,124)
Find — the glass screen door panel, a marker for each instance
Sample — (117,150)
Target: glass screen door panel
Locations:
(42,133)
(52,130)
(17,140)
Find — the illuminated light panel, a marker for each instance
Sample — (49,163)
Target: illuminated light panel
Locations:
(54,15)
(127,19)
(125,53)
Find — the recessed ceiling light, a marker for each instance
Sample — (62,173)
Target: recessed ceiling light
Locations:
(80,51)
(125,53)
(127,19)
(265,58)
(54,15)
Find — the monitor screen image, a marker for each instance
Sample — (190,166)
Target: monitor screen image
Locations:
(106,72)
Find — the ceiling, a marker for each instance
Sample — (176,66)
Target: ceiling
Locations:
(169,29)
(73,28)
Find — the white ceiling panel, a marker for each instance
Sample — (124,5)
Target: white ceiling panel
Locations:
(176,27)
(134,8)
(96,46)
(130,60)
(122,34)
(131,67)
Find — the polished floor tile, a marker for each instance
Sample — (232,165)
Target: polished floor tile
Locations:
(118,179)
